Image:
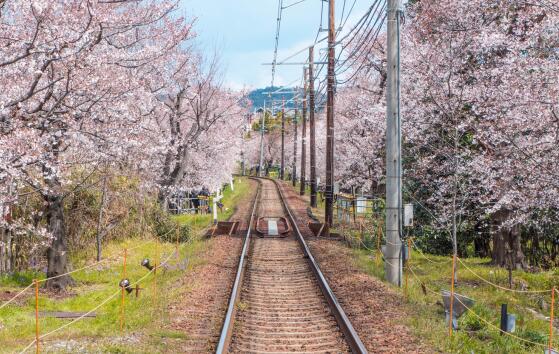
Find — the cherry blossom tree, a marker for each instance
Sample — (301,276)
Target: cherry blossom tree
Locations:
(72,89)
(479,109)
(197,118)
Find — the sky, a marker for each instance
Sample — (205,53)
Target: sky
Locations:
(243,33)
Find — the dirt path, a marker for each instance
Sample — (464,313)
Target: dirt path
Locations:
(375,310)
(199,314)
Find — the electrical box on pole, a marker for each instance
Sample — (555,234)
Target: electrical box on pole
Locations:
(408,215)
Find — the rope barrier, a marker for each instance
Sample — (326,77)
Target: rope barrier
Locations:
(475,314)
(502,287)
(16,296)
(469,269)
(6,303)
(112,296)
(36,282)
(549,344)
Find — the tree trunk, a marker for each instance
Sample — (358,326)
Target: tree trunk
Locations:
(57,253)
(482,247)
(515,242)
(507,237)
(100,218)
(499,249)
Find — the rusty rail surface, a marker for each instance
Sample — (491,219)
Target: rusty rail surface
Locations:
(227,329)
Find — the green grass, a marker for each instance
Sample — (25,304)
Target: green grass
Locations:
(425,314)
(94,286)
(145,316)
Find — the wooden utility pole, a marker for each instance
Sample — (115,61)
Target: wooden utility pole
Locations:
(282,168)
(329,193)
(295,129)
(312,127)
(304,136)
(262,123)
(392,255)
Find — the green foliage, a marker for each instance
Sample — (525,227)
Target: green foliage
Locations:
(532,336)
(475,335)
(471,322)
(17,279)
(166,227)
(434,241)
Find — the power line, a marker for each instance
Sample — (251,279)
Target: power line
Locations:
(278,28)
(362,51)
(366,35)
(295,3)
(342,24)
(363,63)
(320,25)
(301,51)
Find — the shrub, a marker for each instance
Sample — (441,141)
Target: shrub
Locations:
(165,227)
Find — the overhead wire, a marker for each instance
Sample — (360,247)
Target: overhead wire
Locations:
(278,29)
(358,28)
(344,22)
(363,48)
(301,51)
(320,24)
(291,5)
(358,70)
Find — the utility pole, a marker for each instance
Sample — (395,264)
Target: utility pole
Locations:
(295,128)
(329,206)
(304,136)
(260,168)
(282,169)
(312,127)
(393,251)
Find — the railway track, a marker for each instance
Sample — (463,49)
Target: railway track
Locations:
(280,301)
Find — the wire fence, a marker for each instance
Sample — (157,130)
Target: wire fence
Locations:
(366,232)
(122,287)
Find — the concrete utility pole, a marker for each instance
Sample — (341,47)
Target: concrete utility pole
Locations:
(329,193)
(282,169)
(262,140)
(295,129)
(304,136)
(393,251)
(312,127)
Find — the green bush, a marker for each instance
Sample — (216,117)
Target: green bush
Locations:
(165,227)
(472,323)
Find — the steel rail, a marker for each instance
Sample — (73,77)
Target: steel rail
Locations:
(350,334)
(227,329)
